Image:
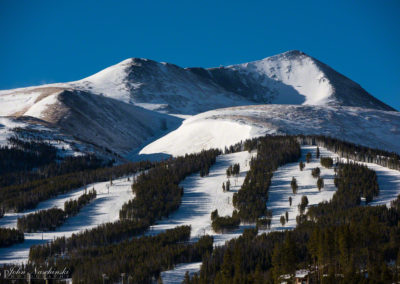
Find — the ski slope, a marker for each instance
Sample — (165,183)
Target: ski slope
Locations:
(280,189)
(105,208)
(202,195)
(278,201)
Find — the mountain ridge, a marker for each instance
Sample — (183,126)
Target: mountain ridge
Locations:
(126,105)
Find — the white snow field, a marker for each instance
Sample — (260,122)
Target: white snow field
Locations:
(202,195)
(105,208)
(369,127)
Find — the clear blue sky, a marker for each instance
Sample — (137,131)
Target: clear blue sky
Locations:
(53,41)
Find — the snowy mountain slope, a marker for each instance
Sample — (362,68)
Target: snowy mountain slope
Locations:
(29,128)
(369,127)
(294,77)
(103,122)
(127,105)
(107,122)
(288,78)
(162,86)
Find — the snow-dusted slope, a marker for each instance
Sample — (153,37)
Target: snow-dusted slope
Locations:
(288,78)
(131,103)
(105,123)
(292,77)
(369,127)
(105,208)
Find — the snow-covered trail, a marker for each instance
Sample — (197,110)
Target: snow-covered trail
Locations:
(202,195)
(178,273)
(280,189)
(105,208)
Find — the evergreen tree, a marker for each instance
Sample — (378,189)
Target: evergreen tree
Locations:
(303,204)
(290,201)
(326,162)
(316,172)
(320,183)
(308,157)
(186,279)
(287,216)
(294,185)
(283,220)
(214,215)
(317,155)
(301,166)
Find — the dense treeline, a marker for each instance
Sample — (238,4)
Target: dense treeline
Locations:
(141,259)
(272,152)
(44,220)
(72,207)
(221,224)
(353,151)
(157,194)
(102,235)
(17,198)
(161,186)
(48,220)
(23,161)
(346,245)
(353,181)
(9,237)
(24,155)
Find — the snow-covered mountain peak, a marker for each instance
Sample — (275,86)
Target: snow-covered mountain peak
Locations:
(291,77)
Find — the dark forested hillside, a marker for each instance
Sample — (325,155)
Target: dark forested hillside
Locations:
(336,242)
(140,259)
(9,237)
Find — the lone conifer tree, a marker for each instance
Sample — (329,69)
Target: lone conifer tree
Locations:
(301,166)
(320,183)
(294,185)
(308,157)
(283,221)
